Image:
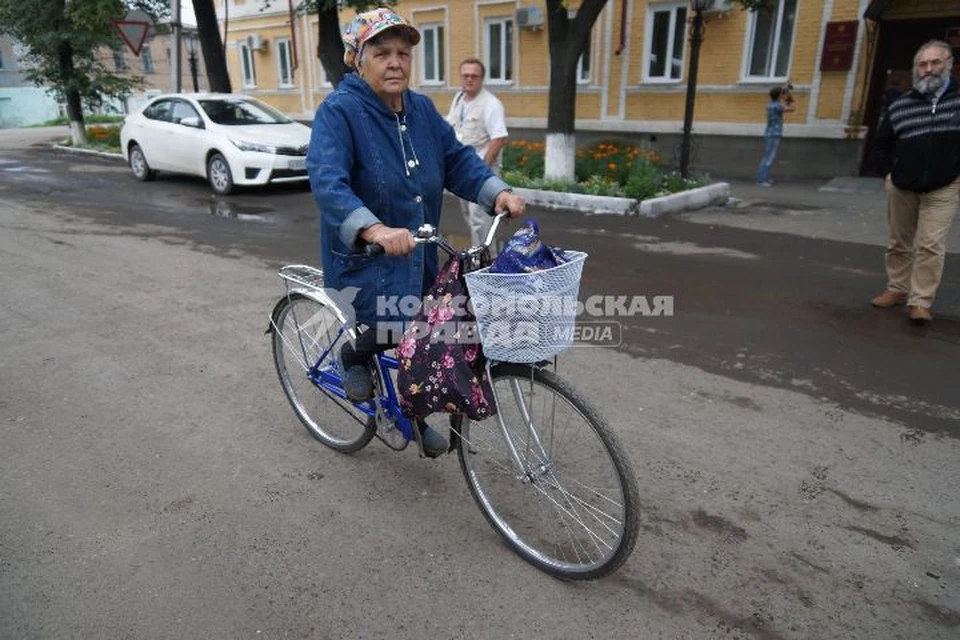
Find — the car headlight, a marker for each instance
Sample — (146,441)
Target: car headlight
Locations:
(244,145)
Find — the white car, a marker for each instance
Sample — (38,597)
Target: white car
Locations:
(229,139)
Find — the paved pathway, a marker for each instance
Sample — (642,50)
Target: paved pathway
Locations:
(843,209)
(20,138)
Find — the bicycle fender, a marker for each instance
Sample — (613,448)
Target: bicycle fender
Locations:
(317,296)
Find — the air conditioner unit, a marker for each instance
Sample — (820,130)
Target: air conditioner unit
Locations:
(256,43)
(529,17)
(719,6)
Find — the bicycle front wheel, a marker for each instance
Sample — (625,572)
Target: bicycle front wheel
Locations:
(303,331)
(557,486)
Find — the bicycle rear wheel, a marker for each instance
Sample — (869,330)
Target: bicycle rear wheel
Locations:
(303,331)
(571,508)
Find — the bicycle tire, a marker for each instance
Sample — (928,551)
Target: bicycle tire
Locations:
(302,330)
(545,513)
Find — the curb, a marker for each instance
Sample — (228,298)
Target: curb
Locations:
(710,195)
(699,198)
(88,152)
(579,202)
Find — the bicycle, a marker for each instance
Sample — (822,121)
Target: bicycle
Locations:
(547,472)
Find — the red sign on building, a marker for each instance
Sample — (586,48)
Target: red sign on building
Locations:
(839,43)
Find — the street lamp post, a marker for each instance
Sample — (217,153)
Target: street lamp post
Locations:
(192,58)
(696,38)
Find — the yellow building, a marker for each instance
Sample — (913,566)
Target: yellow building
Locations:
(841,56)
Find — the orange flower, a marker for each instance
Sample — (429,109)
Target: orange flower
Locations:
(612,166)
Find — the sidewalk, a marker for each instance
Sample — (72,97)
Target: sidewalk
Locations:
(27,137)
(843,209)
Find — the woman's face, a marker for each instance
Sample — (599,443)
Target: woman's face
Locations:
(385,66)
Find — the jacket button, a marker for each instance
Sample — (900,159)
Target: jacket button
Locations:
(419,199)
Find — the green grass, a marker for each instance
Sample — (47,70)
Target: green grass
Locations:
(101,137)
(91,119)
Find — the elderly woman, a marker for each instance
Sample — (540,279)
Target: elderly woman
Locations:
(379,160)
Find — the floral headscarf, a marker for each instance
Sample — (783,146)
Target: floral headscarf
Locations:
(372,23)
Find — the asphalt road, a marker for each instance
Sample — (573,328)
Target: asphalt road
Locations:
(796,449)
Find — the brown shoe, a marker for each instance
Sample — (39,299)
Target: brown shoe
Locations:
(889,298)
(919,315)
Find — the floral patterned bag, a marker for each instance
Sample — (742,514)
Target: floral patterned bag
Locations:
(442,368)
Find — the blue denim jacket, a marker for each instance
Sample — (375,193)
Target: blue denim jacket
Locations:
(368,164)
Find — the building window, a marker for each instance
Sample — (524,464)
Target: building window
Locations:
(499,50)
(666,28)
(285,60)
(584,63)
(249,79)
(147,59)
(324,81)
(770,33)
(432,56)
(119,63)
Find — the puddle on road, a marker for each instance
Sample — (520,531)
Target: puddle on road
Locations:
(226,209)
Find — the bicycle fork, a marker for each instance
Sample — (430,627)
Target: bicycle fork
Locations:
(543,463)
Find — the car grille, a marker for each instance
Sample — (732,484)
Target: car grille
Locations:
(287,173)
(292,151)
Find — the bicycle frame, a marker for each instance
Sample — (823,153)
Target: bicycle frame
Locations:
(385,406)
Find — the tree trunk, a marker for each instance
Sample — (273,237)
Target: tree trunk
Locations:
(330,42)
(78,133)
(211,44)
(568,38)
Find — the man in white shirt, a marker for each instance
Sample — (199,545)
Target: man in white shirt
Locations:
(478,119)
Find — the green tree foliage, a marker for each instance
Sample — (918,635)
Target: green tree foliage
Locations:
(62,40)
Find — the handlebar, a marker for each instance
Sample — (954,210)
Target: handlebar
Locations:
(427,233)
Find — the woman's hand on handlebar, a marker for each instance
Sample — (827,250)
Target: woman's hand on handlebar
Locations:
(396,241)
(510,203)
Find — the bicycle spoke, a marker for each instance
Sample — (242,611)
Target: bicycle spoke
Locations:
(572,509)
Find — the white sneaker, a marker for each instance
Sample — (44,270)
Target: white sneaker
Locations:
(765,184)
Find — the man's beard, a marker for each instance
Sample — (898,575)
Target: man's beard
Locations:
(932,83)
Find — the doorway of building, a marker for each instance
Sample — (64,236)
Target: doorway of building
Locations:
(897,43)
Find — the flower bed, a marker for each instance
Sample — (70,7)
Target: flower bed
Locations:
(602,170)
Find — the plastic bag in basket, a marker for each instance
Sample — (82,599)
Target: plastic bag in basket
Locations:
(524,252)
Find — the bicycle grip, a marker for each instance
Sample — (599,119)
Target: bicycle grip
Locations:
(373,249)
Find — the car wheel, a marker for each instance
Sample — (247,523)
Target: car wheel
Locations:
(138,164)
(218,175)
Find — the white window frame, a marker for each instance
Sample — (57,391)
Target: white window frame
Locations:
(146,57)
(503,79)
(439,54)
(748,46)
(652,9)
(246,62)
(281,44)
(120,61)
(323,82)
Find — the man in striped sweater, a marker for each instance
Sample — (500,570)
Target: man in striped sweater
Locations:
(918,148)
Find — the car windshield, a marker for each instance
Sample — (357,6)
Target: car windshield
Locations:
(237,111)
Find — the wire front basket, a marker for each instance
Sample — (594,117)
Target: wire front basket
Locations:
(526,317)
